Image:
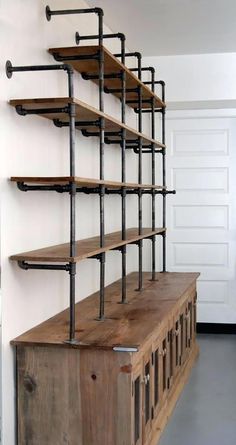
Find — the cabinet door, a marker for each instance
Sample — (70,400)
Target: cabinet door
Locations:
(147,395)
(137,403)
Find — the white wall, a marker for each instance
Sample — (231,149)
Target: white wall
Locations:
(33,146)
(204,77)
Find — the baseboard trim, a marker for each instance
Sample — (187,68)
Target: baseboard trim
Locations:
(216,328)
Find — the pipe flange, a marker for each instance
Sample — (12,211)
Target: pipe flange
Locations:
(9,69)
(48,13)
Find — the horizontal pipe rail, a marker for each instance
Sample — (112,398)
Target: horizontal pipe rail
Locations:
(50,13)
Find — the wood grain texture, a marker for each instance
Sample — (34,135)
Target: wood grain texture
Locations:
(133,324)
(111,65)
(69,397)
(84,112)
(85,248)
(84,394)
(46,377)
(82,182)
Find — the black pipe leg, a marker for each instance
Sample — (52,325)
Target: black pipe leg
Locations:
(140,275)
(153,258)
(101,316)
(72,301)
(123,299)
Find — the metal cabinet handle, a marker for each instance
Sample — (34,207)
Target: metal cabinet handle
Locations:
(163,353)
(146,379)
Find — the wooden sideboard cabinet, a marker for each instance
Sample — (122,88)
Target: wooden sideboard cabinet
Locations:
(119,383)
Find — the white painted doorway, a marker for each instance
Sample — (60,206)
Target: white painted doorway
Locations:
(201,217)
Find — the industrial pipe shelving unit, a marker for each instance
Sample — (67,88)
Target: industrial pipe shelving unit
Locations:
(96,63)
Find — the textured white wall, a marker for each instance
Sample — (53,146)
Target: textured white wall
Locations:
(33,146)
(204,77)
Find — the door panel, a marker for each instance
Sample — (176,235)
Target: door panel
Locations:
(201,217)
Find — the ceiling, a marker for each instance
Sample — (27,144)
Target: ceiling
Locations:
(173,27)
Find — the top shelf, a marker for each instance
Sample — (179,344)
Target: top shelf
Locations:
(111,65)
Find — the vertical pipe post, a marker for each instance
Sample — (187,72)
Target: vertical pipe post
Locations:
(164,177)
(123,172)
(140,246)
(153,179)
(72,271)
(101,152)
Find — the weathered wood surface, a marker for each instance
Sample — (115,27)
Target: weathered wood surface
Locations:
(85,248)
(84,112)
(111,65)
(126,325)
(72,397)
(82,182)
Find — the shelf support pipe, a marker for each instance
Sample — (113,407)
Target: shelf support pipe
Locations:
(153,175)
(140,245)
(99,12)
(102,144)
(163,113)
(71,112)
(123,177)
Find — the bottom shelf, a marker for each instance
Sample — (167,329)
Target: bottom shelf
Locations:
(126,325)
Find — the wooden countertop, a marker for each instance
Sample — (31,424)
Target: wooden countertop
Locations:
(126,325)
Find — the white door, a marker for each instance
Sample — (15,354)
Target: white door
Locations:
(201,217)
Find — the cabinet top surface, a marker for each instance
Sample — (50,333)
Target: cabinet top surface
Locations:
(127,325)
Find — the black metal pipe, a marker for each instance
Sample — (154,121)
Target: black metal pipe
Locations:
(72,273)
(119,90)
(72,114)
(132,54)
(102,288)
(26,266)
(123,179)
(78,37)
(153,177)
(45,188)
(88,76)
(162,83)
(101,156)
(144,68)
(24,112)
(50,13)
(148,110)
(58,123)
(10,69)
(140,245)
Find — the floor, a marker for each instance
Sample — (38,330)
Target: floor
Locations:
(206,411)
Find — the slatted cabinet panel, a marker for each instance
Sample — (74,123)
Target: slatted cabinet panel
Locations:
(147,394)
(137,403)
(159,372)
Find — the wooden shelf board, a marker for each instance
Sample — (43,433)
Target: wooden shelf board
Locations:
(126,325)
(111,65)
(85,248)
(82,182)
(84,112)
